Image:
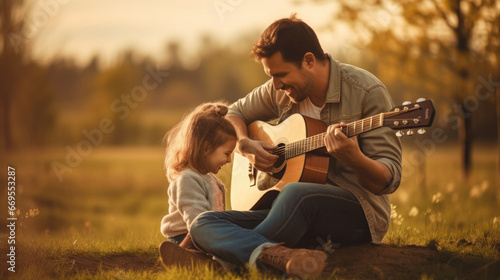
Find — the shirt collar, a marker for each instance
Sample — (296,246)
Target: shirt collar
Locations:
(333,91)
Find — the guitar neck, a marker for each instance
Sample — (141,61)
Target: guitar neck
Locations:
(317,141)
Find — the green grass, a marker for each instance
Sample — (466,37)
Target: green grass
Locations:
(108,211)
(460,217)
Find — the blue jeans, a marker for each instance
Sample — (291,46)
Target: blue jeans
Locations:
(303,215)
(177,239)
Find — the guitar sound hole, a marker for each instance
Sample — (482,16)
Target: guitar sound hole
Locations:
(280,151)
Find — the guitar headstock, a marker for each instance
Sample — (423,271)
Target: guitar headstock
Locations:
(410,115)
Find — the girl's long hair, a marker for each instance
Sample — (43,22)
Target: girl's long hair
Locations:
(185,142)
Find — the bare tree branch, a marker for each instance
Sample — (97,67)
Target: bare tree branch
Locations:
(443,15)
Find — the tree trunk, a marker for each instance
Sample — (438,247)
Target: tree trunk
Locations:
(497,183)
(10,65)
(421,177)
(465,140)
(5,79)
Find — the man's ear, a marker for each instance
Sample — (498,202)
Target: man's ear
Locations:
(309,60)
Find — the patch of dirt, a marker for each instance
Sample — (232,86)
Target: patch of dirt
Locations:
(370,261)
(77,264)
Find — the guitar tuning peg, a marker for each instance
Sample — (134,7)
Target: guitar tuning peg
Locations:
(406,103)
(399,133)
(421,99)
(421,131)
(410,132)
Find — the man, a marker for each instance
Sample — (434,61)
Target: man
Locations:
(353,205)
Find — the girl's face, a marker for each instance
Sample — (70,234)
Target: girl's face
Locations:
(217,158)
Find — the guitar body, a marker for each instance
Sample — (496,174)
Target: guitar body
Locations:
(310,167)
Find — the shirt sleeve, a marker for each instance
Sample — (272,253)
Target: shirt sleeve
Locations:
(382,144)
(259,104)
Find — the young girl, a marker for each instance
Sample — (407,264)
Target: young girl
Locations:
(196,149)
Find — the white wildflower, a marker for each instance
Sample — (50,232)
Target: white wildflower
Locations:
(413,212)
(396,218)
(478,190)
(437,198)
(475,192)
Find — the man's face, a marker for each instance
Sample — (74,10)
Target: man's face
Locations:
(296,82)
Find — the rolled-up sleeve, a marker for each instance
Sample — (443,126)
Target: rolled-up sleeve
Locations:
(259,104)
(382,144)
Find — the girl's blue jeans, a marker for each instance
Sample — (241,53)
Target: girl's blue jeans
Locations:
(177,239)
(303,215)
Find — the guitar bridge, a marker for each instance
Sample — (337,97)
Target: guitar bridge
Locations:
(252,175)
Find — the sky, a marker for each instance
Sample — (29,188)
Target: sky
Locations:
(82,28)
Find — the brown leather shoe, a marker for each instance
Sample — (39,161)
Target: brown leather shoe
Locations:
(302,263)
(187,243)
(173,255)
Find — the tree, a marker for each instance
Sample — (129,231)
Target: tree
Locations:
(28,112)
(458,36)
(11,59)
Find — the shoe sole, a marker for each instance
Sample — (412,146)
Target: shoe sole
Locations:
(173,255)
(307,264)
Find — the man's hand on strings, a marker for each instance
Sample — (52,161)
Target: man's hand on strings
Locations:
(258,153)
(372,175)
(340,146)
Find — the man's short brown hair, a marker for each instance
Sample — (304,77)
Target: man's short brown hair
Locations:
(290,36)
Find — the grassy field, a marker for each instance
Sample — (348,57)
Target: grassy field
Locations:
(101,221)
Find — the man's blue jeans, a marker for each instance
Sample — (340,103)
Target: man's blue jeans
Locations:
(303,215)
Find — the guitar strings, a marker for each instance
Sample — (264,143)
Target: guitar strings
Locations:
(281,150)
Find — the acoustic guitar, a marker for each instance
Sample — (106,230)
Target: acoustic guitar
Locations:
(302,152)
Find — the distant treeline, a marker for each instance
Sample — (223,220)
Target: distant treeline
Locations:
(57,102)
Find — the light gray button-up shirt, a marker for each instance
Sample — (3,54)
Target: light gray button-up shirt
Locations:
(353,94)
